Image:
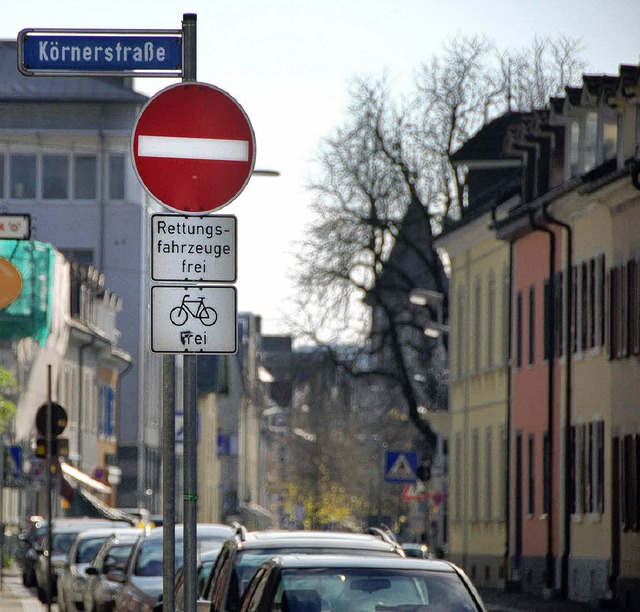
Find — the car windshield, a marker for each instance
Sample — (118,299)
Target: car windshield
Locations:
(248,561)
(118,555)
(371,590)
(87,549)
(149,559)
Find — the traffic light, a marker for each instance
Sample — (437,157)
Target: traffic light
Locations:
(59,447)
(58,422)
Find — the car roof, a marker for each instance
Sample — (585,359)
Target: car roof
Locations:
(356,561)
(71,525)
(107,531)
(203,529)
(333,539)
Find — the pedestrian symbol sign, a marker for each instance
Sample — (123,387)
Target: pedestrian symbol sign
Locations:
(400,466)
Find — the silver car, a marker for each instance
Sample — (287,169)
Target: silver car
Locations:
(72,576)
(63,534)
(100,586)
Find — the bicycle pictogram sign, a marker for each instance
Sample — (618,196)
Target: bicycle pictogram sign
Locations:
(194,307)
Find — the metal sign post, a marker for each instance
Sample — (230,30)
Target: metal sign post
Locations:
(190,398)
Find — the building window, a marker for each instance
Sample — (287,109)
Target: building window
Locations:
(460,334)
(548,319)
(459,455)
(55,177)
(506,314)
(546,464)
(475,477)
(107,413)
(1,176)
(23,176)
(491,315)
(116,177)
(574,149)
(519,330)
(85,178)
(488,488)
(590,141)
(503,466)
(630,483)
(595,468)
(532,473)
(477,327)
(532,324)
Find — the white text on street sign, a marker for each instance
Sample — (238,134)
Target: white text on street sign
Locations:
(193,319)
(194,248)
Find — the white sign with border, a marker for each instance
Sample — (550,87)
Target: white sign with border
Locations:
(194,248)
(15,227)
(193,319)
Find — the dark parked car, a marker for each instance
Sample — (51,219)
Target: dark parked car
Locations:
(99,592)
(72,576)
(338,583)
(63,534)
(30,545)
(241,556)
(141,582)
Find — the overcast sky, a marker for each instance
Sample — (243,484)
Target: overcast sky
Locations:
(289,64)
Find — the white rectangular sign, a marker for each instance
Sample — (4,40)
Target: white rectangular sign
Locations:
(15,227)
(194,319)
(194,248)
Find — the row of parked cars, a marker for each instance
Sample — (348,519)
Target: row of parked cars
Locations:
(120,568)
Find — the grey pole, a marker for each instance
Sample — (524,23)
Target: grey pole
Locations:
(168,482)
(190,393)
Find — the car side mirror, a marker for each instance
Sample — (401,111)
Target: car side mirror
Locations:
(92,570)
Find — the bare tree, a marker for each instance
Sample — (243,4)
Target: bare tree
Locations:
(385,186)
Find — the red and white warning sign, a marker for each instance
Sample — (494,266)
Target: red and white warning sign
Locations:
(193,147)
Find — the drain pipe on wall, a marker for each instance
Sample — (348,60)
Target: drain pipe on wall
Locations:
(568,402)
(550,325)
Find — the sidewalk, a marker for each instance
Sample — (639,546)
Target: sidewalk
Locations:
(500,601)
(14,597)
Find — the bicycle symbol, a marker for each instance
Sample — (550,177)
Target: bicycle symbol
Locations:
(196,308)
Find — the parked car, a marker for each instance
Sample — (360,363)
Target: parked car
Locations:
(206,562)
(342,583)
(72,576)
(242,554)
(99,591)
(141,582)
(30,545)
(63,533)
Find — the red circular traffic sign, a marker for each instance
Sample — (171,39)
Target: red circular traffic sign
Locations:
(193,147)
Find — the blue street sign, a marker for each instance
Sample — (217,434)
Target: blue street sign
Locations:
(400,466)
(100,52)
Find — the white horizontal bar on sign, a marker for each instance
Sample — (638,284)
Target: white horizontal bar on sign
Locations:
(193,148)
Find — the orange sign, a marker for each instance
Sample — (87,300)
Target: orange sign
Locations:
(10,283)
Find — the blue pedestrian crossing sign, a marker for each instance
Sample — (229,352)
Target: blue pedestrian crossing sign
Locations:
(400,466)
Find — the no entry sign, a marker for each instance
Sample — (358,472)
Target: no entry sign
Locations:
(193,147)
